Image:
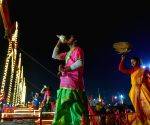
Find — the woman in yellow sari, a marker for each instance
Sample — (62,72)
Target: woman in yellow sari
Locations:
(140,91)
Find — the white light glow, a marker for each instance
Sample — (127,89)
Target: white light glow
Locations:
(143,67)
(121,96)
(115,97)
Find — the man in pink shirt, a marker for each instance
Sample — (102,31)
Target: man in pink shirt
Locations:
(71,104)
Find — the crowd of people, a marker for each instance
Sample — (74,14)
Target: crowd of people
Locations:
(46,103)
(73,107)
(99,112)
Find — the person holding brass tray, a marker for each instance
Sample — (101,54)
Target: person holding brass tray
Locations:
(140,85)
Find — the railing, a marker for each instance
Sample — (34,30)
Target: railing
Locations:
(40,118)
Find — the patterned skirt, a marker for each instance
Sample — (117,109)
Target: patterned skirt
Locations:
(71,108)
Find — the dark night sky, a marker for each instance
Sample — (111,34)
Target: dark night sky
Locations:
(98,25)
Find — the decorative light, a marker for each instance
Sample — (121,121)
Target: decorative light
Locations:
(14,36)
(9,54)
(14,94)
(100,98)
(19,90)
(24,92)
(143,67)
(14,55)
(1,2)
(19,81)
(121,96)
(146,66)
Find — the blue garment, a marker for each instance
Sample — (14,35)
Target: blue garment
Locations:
(36,102)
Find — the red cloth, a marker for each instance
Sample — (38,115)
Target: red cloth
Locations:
(93,116)
(9,24)
(46,94)
(123,69)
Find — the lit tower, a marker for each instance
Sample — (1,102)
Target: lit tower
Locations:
(23,92)
(20,85)
(13,62)
(11,85)
(11,58)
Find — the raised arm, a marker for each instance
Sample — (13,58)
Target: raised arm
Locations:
(56,54)
(42,91)
(122,67)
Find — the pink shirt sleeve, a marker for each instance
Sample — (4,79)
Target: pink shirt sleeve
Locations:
(79,54)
